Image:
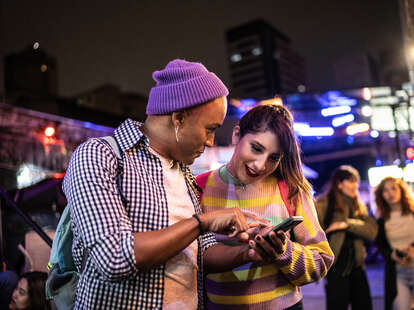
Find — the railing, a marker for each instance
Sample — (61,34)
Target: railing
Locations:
(26,218)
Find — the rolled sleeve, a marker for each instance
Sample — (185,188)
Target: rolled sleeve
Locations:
(310,258)
(97,209)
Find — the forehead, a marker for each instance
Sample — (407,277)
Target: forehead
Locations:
(390,183)
(350,181)
(267,139)
(23,283)
(211,112)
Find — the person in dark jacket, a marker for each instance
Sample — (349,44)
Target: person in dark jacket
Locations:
(395,241)
(347,224)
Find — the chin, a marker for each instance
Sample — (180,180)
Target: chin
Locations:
(188,162)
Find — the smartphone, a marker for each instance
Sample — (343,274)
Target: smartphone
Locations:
(287,224)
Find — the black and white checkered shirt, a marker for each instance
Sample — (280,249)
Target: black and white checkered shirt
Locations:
(105,227)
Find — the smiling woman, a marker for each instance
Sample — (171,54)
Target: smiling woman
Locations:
(265,165)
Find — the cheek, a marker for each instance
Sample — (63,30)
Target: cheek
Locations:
(22,302)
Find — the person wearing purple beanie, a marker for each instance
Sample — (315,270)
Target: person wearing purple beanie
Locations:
(149,249)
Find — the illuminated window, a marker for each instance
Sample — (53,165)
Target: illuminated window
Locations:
(235,58)
(257,51)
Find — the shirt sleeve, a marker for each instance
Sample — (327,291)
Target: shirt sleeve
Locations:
(97,210)
(310,256)
(363,226)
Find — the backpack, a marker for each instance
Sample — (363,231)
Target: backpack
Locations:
(63,276)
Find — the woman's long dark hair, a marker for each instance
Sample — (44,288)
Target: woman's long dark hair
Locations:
(279,121)
(341,174)
(36,281)
(407,203)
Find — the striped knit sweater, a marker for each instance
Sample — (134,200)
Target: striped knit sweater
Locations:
(264,285)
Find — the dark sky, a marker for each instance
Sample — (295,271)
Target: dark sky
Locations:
(122,42)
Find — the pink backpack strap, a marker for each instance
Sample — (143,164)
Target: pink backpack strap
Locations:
(201,180)
(284,192)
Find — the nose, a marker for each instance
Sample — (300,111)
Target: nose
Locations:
(210,140)
(260,164)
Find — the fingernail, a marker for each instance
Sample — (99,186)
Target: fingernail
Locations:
(258,238)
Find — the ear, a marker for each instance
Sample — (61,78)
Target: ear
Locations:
(177,118)
(236,135)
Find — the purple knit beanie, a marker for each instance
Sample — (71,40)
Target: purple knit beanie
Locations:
(183,84)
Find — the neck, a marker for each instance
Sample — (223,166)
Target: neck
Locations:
(155,130)
(396,206)
(227,176)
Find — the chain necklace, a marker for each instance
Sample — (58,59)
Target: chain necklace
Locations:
(228,178)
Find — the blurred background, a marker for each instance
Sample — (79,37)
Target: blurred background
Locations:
(75,70)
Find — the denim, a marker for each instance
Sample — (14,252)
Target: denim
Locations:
(405,288)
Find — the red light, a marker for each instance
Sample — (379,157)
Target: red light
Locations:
(409,152)
(49,131)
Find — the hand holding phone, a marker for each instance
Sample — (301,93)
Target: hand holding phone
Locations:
(287,224)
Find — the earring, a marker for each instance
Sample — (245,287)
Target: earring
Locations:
(176,134)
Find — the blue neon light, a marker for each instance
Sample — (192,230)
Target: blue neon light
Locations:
(335,110)
(342,120)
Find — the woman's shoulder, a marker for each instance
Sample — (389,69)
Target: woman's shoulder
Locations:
(202,178)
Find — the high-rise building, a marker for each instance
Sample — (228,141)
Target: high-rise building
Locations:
(263,62)
(30,71)
(1,58)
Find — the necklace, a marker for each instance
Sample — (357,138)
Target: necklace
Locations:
(228,178)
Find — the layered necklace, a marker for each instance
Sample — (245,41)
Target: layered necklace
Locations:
(228,178)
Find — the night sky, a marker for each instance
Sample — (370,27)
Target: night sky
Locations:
(122,42)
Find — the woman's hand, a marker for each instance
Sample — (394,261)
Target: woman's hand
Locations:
(337,226)
(401,260)
(261,250)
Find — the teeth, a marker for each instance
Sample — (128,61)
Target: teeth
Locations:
(251,171)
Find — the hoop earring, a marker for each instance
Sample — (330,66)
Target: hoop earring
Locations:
(176,134)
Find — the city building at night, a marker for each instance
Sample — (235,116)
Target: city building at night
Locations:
(31,70)
(262,61)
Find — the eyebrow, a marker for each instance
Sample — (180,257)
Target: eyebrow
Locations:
(259,144)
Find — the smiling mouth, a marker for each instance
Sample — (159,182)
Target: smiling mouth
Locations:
(251,173)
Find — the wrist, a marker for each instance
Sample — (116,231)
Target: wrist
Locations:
(198,218)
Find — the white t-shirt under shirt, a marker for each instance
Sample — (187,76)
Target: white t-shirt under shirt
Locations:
(180,280)
(400,230)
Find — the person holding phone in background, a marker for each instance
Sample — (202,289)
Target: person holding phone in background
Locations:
(395,241)
(265,161)
(346,221)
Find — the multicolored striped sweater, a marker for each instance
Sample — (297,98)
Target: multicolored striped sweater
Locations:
(264,285)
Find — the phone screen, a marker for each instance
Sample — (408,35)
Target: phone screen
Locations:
(287,224)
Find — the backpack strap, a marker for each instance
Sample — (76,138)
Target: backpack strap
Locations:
(284,192)
(113,143)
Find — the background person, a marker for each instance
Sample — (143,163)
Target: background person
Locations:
(395,241)
(347,223)
(265,155)
(30,292)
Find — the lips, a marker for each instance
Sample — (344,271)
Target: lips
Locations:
(250,172)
